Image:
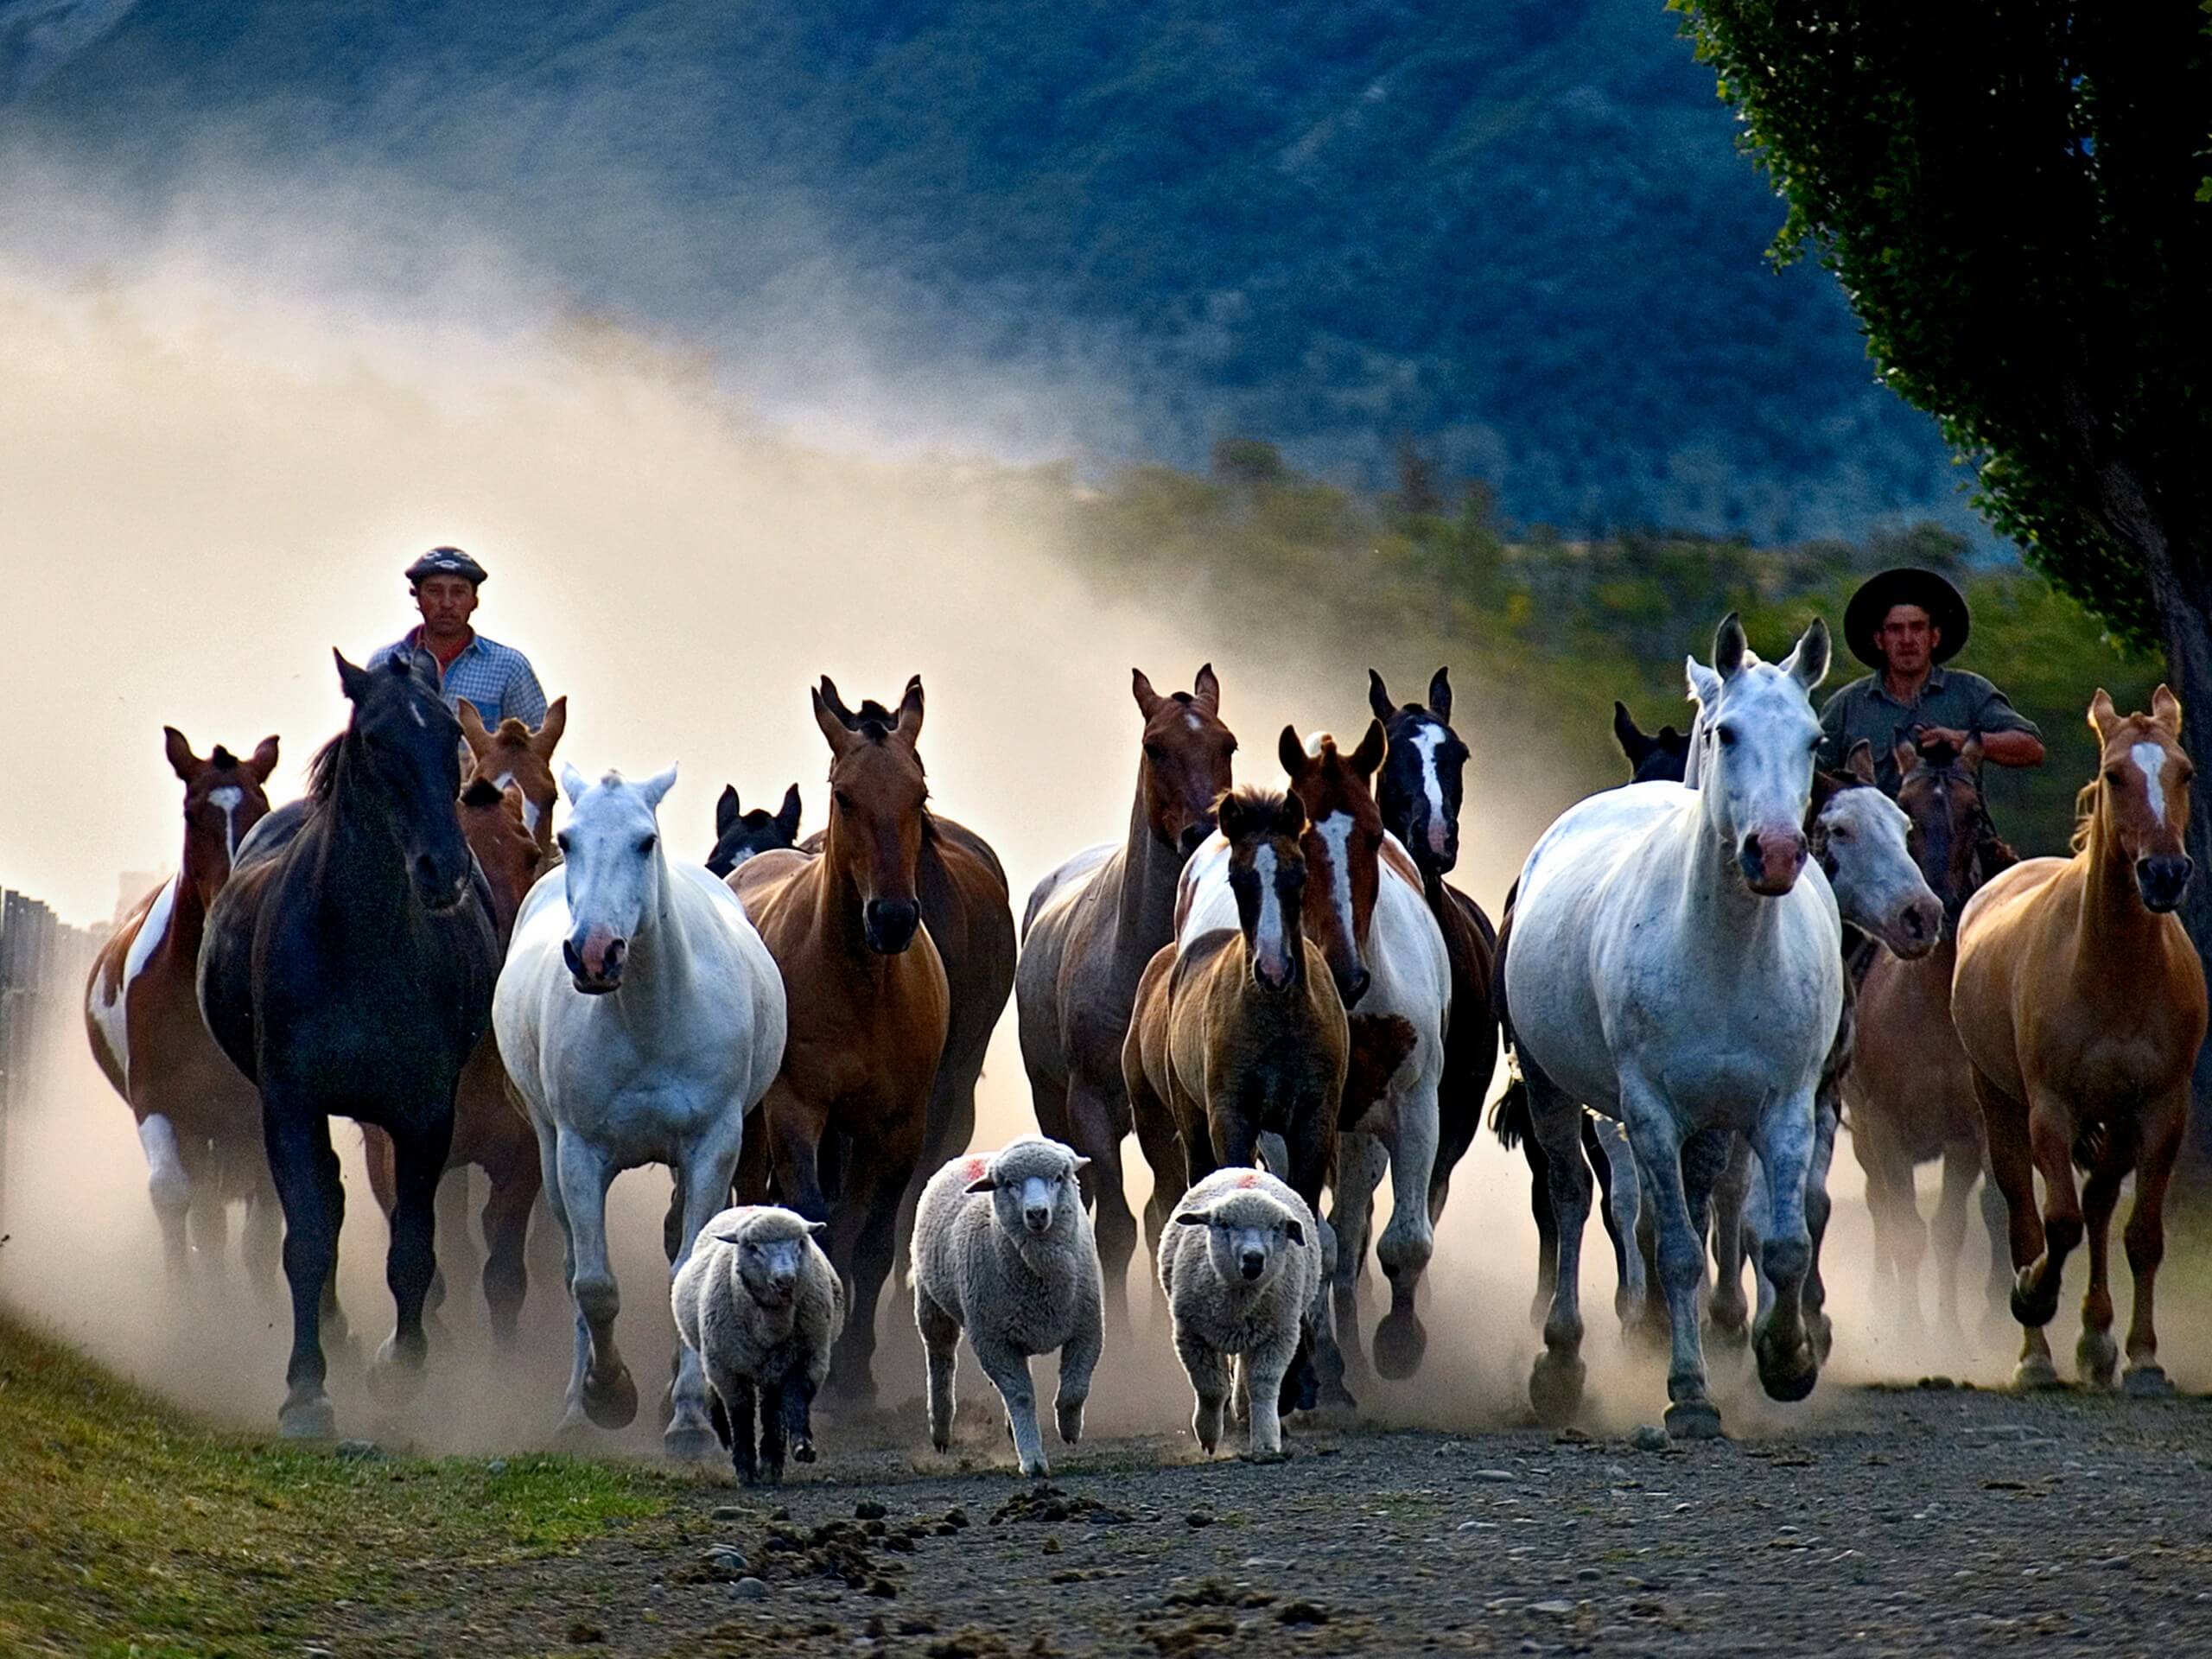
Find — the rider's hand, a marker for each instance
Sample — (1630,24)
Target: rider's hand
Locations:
(1927,734)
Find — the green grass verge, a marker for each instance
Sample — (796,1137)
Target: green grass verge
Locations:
(128,1529)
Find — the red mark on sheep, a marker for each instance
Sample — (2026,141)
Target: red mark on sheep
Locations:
(976,1168)
(1249,1179)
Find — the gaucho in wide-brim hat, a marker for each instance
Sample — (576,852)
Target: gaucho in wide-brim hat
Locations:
(1906,585)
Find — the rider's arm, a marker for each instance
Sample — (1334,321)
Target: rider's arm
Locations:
(525,698)
(2008,737)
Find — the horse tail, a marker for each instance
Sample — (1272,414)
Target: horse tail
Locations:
(1512,1119)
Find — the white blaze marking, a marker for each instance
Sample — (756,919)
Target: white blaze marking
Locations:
(1428,739)
(229,797)
(166,1179)
(1336,829)
(416,711)
(1268,944)
(2151,757)
(1195,722)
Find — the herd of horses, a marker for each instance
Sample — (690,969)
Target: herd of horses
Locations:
(1697,978)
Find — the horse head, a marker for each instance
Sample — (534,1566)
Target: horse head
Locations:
(1940,788)
(224,797)
(495,823)
(740,833)
(1759,736)
(515,755)
(2141,807)
(1658,758)
(1421,783)
(400,756)
(611,860)
(1343,846)
(1267,874)
(879,795)
(1861,839)
(1186,759)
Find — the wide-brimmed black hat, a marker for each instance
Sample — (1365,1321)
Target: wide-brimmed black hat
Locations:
(446,561)
(1905,585)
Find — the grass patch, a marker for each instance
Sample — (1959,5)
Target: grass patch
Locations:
(128,1529)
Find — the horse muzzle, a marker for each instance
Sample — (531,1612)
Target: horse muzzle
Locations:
(890,924)
(596,968)
(1771,860)
(1351,982)
(2162,881)
(1194,835)
(1918,928)
(1439,849)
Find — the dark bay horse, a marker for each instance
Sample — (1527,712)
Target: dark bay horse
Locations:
(1092,927)
(515,755)
(1419,792)
(487,1131)
(738,833)
(198,1121)
(347,970)
(2081,1004)
(842,1126)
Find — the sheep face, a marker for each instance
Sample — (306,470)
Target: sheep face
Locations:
(769,1263)
(1249,1237)
(1033,1188)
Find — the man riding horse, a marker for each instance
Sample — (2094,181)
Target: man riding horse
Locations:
(498,680)
(1905,624)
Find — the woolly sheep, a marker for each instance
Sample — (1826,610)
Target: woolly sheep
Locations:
(1003,1248)
(1240,1260)
(760,1304)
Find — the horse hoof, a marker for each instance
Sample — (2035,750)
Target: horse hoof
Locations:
(1038,1470)
(1787,1375)
(2147,1382)
(1728,1334)
(803,1451)
(308,1418)
(1338,1398)
(690,1443)
(2032,1309)
(2035,1372)
(614,1403)
(395,1376)
(2096,1359)
(1823,1331)
(1400,1339)
(1693,1419)
(1555,1388)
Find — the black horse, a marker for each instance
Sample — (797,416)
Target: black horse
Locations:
(1418,793)
(738,833)
(347,970)
(1659,758)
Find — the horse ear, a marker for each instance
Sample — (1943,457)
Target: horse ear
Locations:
(1291,751)
(2165,709)
(1230,815)
(726,811)
(655,789)
(1440,695)
(1295,1230)
(2102,716)
(547,737)
(1860,762)
(182,761)
(1206,691)
(1729,646)
(352,679)
(835,732)
(1378,697)
(834,703)
(910,710)
(1906,755)
(1634,744)
(1140,688)
(787,814)
(1807,662)
(472,726)
(1291,820)
(572,784)
(1367,759)
(1704,683)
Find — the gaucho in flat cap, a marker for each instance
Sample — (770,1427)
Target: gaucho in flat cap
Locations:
(1905,624)
(461,662)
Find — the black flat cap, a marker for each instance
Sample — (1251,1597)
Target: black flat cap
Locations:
(446,561)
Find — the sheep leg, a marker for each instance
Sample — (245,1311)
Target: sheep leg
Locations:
(738,1401)
(1078,1359)
(1008,1370)
(940,1341)
(799,1388)
(773,1430)
(1264,1369)
(1209,1372)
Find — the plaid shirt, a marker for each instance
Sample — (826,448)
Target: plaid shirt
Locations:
(497,679)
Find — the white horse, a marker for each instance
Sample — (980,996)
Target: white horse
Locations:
(1680,970)
(640,1017)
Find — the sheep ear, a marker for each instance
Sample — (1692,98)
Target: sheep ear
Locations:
(1295,1230)
(1194,1218)
(732,1237)
(817,1229)
(1080,1165)
(983,1184)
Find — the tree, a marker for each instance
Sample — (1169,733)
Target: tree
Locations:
(2011,198)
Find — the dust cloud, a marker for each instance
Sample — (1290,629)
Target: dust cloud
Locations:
(223,442)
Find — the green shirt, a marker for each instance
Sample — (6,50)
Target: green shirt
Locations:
(1951,697)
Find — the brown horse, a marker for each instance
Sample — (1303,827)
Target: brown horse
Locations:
(966,910)
(841,1127)
(199,1121)
(2080,1004)
(515,755)
(1091,929)
(1909,1091)
(488,1131)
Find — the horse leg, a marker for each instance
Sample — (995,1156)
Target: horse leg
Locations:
(1098,1124)
(2096,1355)
(418,1162)
(1359,1171)
(2159,1131)
(862,1236)
(262,1237)
(2051,1142)
(515,1185)
(1539,1207)
(208,1215)
(1818,1208)
(1788,1365)
(1555,1383)
(298,1140)
(1604,1143)
(169,1189)
(601,1389)
(1316,1377)
(1409,1242)
(1727,1313)
(1657,1140)
(1961,1165)
(708,1164)
(457,1248)
(1996,1221)
(2011,1163)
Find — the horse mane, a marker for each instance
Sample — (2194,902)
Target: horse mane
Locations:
(2085,816)
(322,771)
(223,759)
(1938,754)
(1268,807)
(512,730)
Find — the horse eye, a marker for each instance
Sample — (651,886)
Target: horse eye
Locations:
(1839,833)
(2115,774)
(843,799)
(647,844)
(1725,734)
(561,841)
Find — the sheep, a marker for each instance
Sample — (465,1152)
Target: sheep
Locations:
(1003,1248)
(761,1307)
(1241,1263)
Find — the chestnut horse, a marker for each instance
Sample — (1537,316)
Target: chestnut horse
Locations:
(515,755)
(1091,929)
(487,1130)
(845,1119)
(1238,1031)
(2080,1004)
(198,1121)
(1908,1091)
